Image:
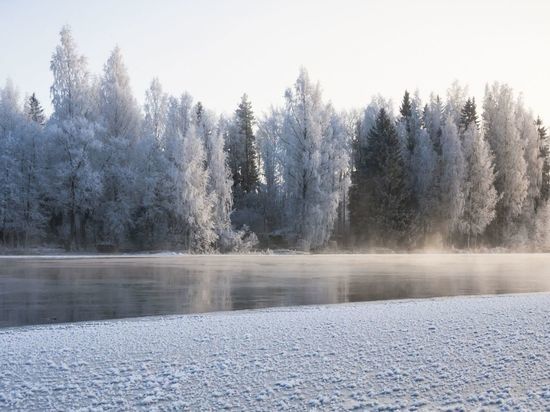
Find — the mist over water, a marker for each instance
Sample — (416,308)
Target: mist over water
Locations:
(50,290)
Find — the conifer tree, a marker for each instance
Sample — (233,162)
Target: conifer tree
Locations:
(406,111)
(34,110)
(242,149)
(468,115)
(388,194)
(545,155)
(433,121)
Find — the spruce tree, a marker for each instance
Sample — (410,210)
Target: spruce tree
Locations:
(468,115)
(388,204)
(357,212)
(406,111)
(244,154)
(199,109)
(35,111)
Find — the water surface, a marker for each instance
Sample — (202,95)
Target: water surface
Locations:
(50,290)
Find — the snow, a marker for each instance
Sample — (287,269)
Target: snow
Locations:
(448,353)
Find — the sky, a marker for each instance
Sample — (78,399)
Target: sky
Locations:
(217,50)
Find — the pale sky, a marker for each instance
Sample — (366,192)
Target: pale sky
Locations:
(218,50)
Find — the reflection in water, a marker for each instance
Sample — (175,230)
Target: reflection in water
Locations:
(42,290)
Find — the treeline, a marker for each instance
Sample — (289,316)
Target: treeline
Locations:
(102,172)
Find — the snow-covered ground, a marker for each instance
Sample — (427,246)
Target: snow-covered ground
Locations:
(468,352)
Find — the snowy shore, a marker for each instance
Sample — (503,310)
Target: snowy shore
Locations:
(468,352)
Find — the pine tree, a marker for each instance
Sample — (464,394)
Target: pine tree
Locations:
(388,195)
(34,110)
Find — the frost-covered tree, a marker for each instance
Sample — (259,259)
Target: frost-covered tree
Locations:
(73,143)
(98,171)
(424,164)
(194,203)
(151,216)
(11,119)
(541,239)
(335,174)
(451,184)
(212,132)
(456,101)
(34,183)
(156,110)
(178,121)
(433,121)
(529,137)
(308,134)
(270,129)
(511,183)
(219,185)
(121,124)
(480,195)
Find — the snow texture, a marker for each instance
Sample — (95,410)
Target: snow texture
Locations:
(450,353)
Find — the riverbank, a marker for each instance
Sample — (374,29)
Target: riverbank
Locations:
(467,352)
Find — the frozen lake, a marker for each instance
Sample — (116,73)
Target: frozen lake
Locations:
(51,290)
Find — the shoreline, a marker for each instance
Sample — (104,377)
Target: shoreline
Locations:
(95,255)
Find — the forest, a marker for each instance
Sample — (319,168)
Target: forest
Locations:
(102,173)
